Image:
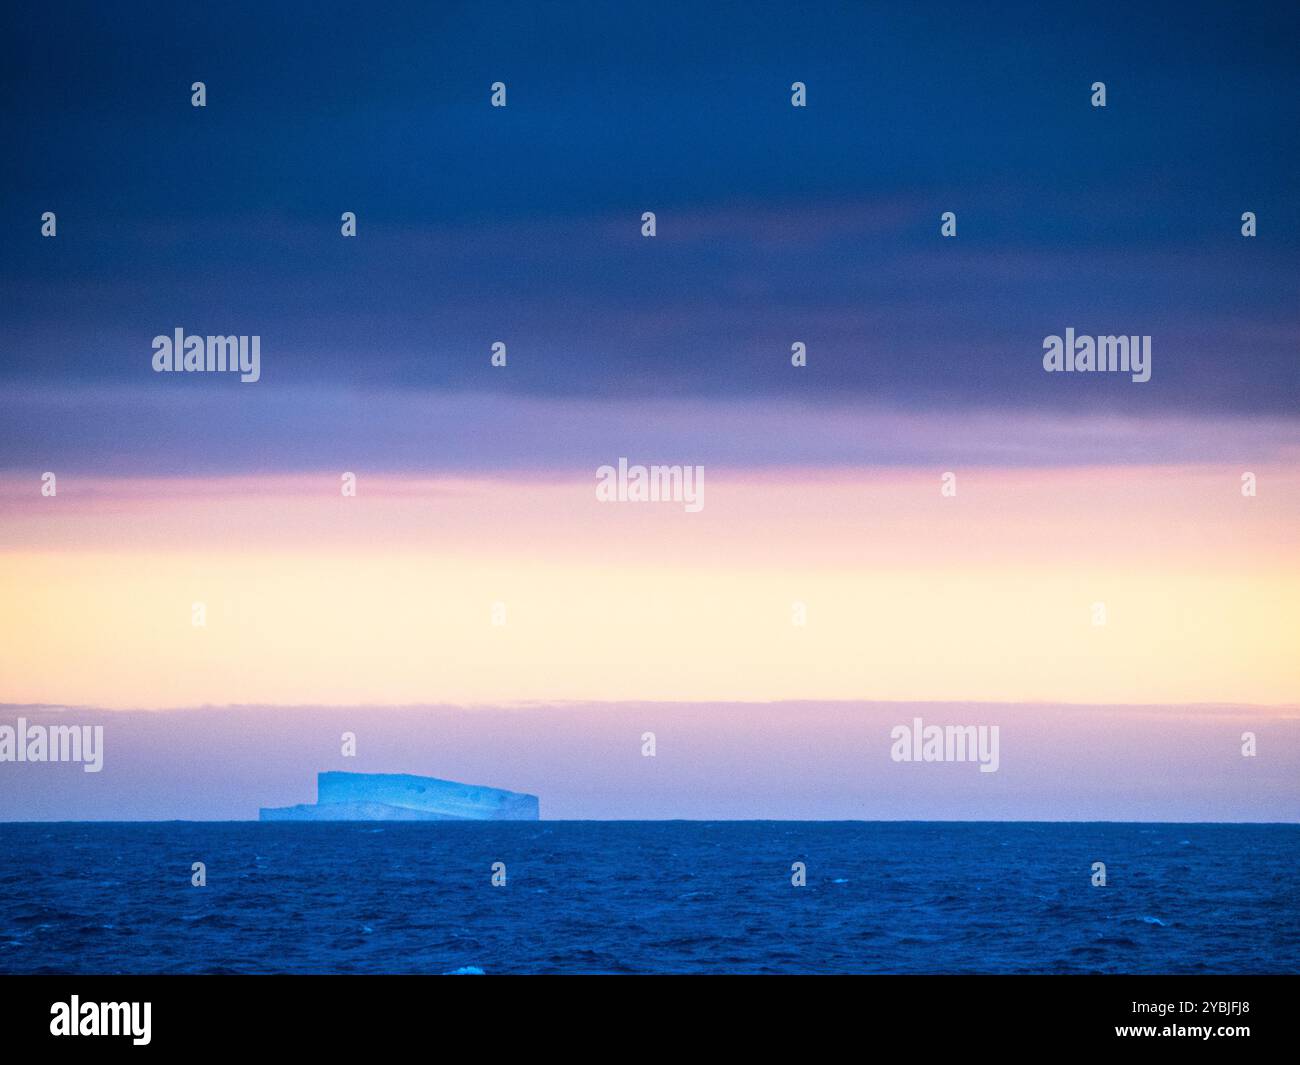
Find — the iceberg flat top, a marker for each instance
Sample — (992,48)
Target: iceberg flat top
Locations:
(334,779)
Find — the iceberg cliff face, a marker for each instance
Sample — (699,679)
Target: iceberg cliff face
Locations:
(404,797)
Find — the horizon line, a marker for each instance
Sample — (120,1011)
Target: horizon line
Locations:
(658,820)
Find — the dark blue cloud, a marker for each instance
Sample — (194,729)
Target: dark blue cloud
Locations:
(776,224)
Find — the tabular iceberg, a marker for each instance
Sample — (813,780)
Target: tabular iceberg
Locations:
(404,797)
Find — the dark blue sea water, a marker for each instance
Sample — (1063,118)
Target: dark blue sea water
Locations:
(630,897)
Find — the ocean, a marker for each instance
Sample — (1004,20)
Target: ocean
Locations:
(649,897)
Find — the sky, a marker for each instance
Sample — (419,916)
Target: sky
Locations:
(814,760)
(475,498)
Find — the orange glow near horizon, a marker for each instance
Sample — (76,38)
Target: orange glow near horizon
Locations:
(387,597)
